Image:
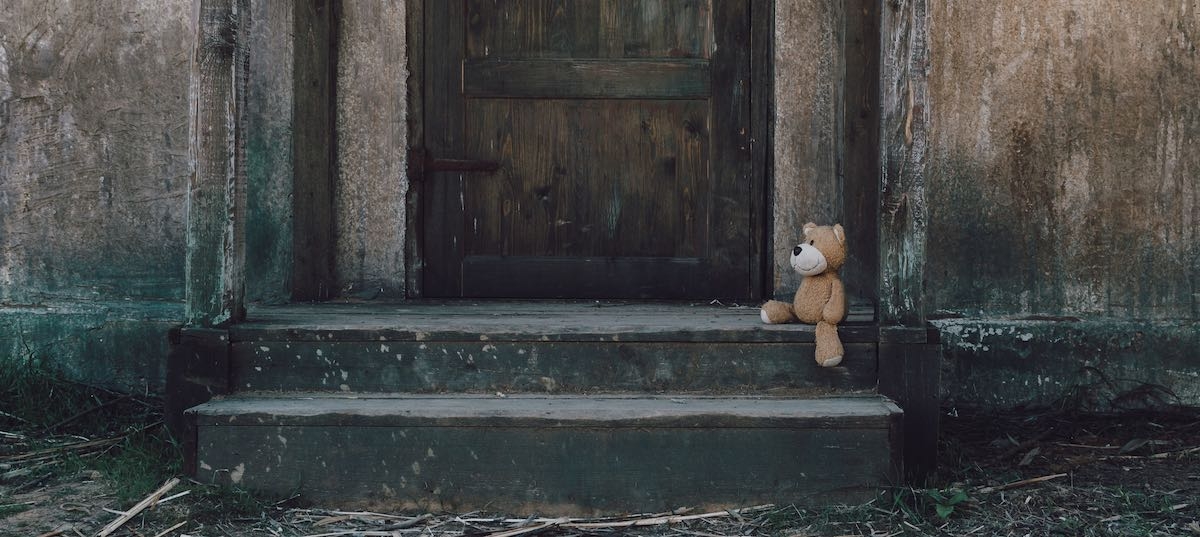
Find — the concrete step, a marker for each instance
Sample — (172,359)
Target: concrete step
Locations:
(553,347)
(550,454)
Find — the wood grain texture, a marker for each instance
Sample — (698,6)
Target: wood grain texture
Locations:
(626,137)
(860,146)
(216,190)
(587,79)
(904,128)
(414,87)
(313,150)
(910,374)
(569,29)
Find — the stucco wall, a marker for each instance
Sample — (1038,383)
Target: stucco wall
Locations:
(372,136)
(1065,170)
(808,69)
(93,148)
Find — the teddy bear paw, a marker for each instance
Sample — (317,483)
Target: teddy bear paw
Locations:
(832,361)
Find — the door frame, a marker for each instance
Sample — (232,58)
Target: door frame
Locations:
(761,38)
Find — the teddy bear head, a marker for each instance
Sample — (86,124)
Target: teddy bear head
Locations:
(823,249)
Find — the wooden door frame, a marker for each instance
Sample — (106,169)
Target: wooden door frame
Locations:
(761,102)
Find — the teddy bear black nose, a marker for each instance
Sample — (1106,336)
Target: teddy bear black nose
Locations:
(796,251)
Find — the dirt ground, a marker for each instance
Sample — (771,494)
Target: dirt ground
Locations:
(1018,474)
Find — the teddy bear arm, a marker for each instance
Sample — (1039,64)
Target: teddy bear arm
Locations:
(835,308)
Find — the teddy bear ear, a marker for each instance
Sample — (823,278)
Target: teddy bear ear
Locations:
(840,233)
(808,228)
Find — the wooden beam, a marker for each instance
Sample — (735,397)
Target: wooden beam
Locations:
(314,150)
(574,79)
(215,263)
(904,127)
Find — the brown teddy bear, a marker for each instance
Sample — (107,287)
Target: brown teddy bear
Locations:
(821,298)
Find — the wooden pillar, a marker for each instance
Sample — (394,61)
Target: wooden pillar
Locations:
(904,128)
(216,189)
(909,356)
(313,149)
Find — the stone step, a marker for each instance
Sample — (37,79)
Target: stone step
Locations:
(540,347)
(565,454)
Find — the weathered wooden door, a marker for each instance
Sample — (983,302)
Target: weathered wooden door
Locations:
(587,149)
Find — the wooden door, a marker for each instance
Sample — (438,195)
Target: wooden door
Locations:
(619,134)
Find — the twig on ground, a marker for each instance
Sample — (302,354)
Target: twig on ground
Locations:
(141,506)
(1021,483)
(170,529)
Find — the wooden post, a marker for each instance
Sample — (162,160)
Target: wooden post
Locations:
(904,128)
(909,359)
(313,149)
(216,189)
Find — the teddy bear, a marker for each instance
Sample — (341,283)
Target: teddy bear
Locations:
(821,298)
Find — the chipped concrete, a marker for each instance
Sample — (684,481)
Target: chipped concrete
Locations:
(1098,364)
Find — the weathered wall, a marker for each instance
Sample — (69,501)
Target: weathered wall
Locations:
(808,68)
(1065,175)
(372,138)
(93,148)
(93,183)
(1064,186)
(269,119)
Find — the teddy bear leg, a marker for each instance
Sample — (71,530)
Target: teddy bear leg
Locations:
(776,312)
(829,346)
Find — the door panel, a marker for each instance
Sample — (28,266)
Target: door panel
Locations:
(620,128)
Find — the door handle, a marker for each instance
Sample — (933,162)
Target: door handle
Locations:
(421,162)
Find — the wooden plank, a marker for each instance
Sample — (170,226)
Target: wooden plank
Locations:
(762,143)
(215,256)
(904,131)
(581,277)
(414,254)
(730,215)
(314,151)
(566,366)
(910,374)
(860,145)
(551,196)
(441,193)
(587,79)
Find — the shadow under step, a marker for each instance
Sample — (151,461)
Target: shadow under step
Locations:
(550,454)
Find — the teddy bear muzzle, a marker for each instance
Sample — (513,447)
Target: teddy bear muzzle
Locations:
(808,260)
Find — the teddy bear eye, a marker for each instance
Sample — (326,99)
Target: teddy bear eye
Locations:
(810,243)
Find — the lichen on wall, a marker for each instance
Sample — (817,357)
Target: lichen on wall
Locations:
(1064,174)
(93,148)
